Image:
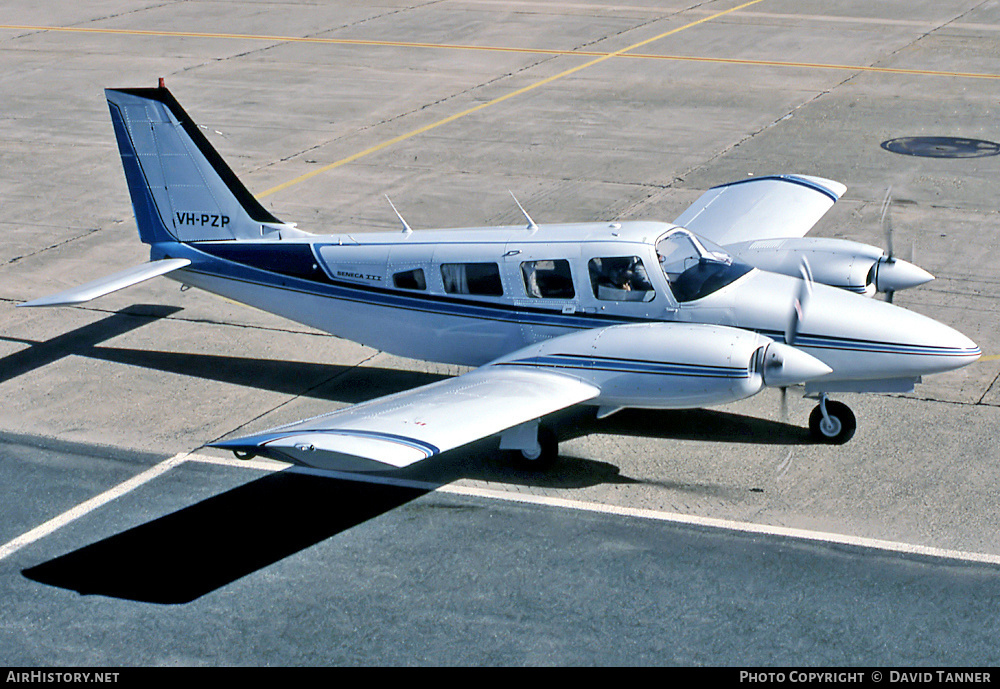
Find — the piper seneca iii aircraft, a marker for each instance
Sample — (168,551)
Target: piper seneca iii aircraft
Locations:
(727,300)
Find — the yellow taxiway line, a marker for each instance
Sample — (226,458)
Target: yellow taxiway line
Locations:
(500,49)
(598,57)
(495,101)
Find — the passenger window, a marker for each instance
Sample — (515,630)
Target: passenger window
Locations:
(480,279)
(548,279)
(410,279)
(620,278)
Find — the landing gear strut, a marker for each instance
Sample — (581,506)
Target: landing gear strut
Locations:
(530,446)
(832,422)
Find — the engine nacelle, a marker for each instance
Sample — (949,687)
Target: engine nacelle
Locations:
(839,263)
(671,365)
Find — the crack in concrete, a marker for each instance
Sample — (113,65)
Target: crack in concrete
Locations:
(52,246)
(303,393)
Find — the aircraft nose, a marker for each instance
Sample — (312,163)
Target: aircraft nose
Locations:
(919,345)
(955,346)
(786,365)
(896,274)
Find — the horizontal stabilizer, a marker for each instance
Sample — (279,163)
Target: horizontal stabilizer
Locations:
(396,431)
(111,283)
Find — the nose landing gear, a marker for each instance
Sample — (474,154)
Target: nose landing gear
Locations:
(831,422)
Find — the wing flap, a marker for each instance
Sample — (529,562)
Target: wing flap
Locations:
(761,208)
(399,430)
(110,283)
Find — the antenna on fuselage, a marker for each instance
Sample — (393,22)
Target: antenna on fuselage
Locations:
(406,228)
(531,223)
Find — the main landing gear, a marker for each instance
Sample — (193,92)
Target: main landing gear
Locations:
(529,446)
(832,422)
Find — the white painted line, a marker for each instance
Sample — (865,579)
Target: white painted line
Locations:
(656,515)
(509,496)
(91,505)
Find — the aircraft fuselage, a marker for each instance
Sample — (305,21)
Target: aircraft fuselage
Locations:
(472,296)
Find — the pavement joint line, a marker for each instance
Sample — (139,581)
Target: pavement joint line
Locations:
(713,523)
(92,504)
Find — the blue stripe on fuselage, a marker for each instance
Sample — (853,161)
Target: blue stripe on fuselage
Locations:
(290,267)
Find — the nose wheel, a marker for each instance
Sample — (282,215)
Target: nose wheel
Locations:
(831,422)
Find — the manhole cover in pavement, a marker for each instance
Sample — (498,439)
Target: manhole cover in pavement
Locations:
(941,147)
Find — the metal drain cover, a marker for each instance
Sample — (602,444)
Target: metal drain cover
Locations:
(941,147)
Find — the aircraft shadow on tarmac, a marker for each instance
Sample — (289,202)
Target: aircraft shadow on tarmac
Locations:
(184,555)
(187,554)
(78,341)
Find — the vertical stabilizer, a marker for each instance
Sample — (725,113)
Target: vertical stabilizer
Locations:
(181,188)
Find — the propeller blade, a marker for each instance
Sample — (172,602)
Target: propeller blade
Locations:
(800,302)
(886,222)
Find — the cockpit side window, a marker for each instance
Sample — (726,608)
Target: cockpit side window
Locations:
(696,268)
(548,279)
(620,278)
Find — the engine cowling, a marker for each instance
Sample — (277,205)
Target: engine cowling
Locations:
(672,365)
(839,263)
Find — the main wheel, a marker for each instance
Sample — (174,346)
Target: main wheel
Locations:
(840,427)
(541,460)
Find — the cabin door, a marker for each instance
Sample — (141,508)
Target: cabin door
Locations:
(545,287)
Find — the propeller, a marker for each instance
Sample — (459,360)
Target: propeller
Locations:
(890,273)
(800,302)
(885,220)
(776,359)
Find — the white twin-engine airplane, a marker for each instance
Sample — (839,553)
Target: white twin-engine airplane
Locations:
(704,311)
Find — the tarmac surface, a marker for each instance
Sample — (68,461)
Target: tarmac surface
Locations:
(708,537)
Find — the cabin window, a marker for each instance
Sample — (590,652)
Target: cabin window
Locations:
(410,279)
(548,279)
(480,279)
(620,278)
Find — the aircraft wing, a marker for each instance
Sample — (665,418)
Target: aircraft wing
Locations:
(761,208)
(111,283)
(398,430)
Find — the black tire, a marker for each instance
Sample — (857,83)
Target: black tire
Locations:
(843,424)
(545,459)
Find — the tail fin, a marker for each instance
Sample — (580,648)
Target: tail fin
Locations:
(181,188)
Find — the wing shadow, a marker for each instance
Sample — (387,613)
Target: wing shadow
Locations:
(184,555)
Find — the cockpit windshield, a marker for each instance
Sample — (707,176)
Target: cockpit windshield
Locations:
(695,267)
